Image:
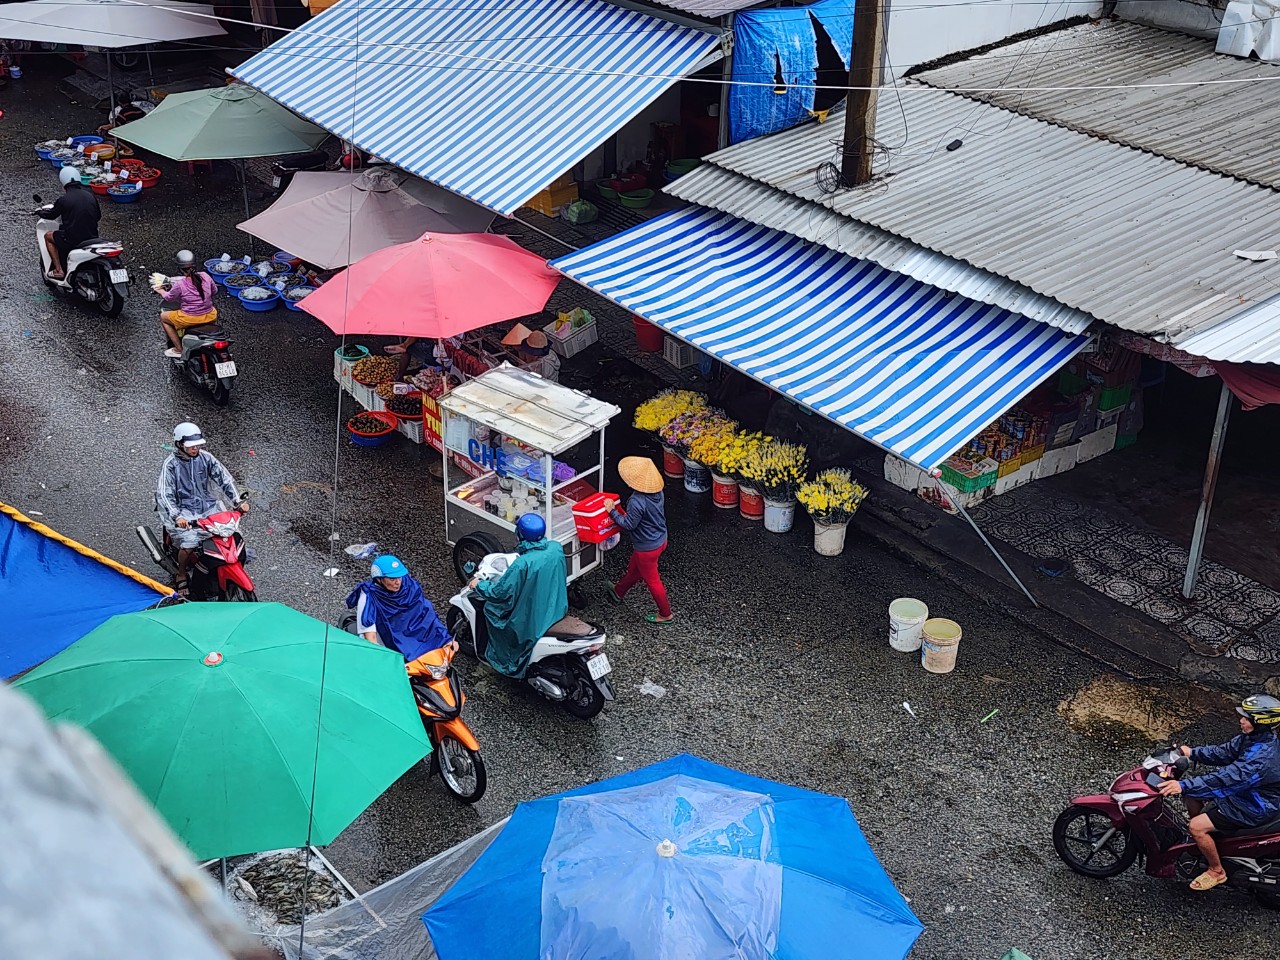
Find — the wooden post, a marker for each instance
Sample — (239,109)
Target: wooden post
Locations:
(865,71)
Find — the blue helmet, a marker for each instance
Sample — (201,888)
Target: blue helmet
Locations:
(531,527)
(389,567)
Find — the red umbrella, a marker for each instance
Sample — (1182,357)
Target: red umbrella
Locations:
(440,285)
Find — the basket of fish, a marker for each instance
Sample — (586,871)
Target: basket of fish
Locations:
(271,888)
(124,192)
(242,281)
(221,269)
(259,298)
(45,148)
(293,295)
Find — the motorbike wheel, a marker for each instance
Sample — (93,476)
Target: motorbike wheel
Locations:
(109,302)
(220,392)
(238,594)
(585,701)
(470,550)
(1076,831)
(460,632)
(461,770)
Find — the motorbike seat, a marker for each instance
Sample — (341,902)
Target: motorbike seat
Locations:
(89,243)
(204,330)
(1271,826)
(570,628)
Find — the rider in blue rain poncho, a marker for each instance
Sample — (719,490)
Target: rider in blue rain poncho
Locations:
(530,597)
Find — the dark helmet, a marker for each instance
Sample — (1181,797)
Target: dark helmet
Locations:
(1262,709)
(531,527)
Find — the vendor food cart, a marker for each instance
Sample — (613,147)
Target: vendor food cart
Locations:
(539,448)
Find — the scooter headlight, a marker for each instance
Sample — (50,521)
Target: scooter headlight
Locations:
(438,672)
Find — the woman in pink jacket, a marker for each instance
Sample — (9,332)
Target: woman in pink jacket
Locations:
(193,293)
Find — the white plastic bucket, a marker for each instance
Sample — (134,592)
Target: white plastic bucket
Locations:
(941,641)
(906,618)
(779,515)
(828,539)
(697,478)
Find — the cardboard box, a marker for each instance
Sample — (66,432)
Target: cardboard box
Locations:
(562,181)
(942,494)
(551,201)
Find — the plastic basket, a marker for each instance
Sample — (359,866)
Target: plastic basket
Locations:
(1113,397)
(591,518)
(966,484)
(374,439)
(573,343)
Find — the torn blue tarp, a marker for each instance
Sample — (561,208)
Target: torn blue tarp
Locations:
(783,44)
(53,591)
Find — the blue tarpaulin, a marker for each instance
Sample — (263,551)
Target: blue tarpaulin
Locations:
(53,594)
(769,42)
(684,858)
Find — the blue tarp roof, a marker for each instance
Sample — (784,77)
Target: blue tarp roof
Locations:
(52,595)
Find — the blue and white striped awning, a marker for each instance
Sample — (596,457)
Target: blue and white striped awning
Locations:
(908,366)
(492,101)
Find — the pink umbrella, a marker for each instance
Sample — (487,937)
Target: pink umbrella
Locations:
(440,285)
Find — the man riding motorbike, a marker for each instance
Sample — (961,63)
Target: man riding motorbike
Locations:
(392,610)
(1244,793)
(184,494)
(527,600)
(78,211)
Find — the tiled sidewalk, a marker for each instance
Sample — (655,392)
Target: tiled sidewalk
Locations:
(1230,615)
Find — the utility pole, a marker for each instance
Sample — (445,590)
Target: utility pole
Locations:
(866,70)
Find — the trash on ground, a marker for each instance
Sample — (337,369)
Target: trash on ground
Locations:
(331,572)
(361,551)
(907,707)
(1255,255)
(989,716)
(651,689)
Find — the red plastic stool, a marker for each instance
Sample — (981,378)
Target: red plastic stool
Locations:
(193,165)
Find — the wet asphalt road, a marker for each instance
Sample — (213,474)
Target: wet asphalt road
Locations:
(778,664)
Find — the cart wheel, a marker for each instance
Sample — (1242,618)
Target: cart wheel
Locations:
(578,598)
(470,550)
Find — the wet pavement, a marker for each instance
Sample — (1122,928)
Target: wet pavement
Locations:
(778,663)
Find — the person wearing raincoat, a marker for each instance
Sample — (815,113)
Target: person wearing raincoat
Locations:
(522,604)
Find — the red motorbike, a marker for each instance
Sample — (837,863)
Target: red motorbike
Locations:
(217,571)
(1101,835)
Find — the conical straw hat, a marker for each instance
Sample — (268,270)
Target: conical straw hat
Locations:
(640,474)
(516,335)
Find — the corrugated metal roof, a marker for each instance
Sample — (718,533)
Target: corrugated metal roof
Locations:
(1133,239)
(710,9)
(761,204)
(1250,335)
(1225,127)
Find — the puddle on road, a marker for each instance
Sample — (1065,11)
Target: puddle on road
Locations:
(1118,710)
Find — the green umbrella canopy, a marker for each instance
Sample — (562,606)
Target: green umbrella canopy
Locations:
(234,122)
(214,710)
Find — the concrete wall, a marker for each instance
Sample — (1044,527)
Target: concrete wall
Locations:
(923,30)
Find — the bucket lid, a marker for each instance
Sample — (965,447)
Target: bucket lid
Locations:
(940,628)
(909,608)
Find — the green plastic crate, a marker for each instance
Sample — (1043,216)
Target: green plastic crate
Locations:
(966,484)
(1069,385)
(1125,440)
(1113,397)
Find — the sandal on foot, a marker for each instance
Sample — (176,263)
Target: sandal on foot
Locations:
(612,596)
(653,618)
(1207,881)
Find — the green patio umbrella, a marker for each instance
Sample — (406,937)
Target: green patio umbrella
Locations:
(214,710)
(233,122)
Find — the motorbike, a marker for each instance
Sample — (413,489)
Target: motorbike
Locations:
(283,168)
(95,272)
(1100,836)
(568,665)
(207,361)
(217,571)
(455,751)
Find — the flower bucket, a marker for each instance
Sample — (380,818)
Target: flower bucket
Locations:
(672,463)
(750,503)
(779,515)
(828,538)
(724,492)
(649,338)
(697,478)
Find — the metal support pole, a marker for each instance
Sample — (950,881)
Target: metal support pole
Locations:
(996,553)
(1206,494)
(726,74)
(244,183)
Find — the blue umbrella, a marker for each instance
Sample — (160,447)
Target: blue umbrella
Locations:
(684,858)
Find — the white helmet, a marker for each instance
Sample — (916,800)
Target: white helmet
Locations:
(185,258)
(68,176)
(188,435)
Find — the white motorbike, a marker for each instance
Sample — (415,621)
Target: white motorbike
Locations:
(95,272)
(568,665)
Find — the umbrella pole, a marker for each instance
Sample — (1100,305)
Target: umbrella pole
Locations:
(222,870)
(244,183)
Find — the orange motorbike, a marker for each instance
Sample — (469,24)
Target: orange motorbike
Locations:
(455,750)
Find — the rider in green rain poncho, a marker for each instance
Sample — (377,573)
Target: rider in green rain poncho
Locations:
(522,604)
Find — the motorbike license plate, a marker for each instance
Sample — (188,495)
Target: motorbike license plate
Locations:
(598,666)
(275,182)
(119,276)
(223,370)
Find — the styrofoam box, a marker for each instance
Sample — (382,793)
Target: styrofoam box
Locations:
(411,429)
(965,500)
(1058,461)
(1098,443)
(365,395)
(903,474)
(1020,477)
(342,370)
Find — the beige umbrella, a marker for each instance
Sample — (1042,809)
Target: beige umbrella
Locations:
(335,219)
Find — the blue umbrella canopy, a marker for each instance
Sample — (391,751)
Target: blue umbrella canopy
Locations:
(681,858)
